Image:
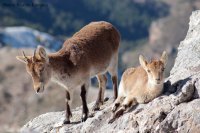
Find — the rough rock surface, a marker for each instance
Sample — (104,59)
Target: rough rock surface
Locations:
(177,110)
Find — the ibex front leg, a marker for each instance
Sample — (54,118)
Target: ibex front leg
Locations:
(127,103)
(68,114)
(85,110)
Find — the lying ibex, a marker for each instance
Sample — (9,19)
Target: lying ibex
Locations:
(140,85)
(91,51)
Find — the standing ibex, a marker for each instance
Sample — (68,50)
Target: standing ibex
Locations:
(91,51)
(140,85)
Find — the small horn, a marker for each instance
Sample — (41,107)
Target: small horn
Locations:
(24,55)
(34,55)
(34,52)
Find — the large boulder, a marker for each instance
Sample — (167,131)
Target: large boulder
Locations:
(177,110)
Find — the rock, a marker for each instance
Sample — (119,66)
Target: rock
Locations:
(177,110)
(187,63)
(184,118)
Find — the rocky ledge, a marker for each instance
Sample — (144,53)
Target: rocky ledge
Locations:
(177,110)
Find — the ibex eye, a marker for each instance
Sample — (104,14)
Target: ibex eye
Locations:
(148,71)
(163,69)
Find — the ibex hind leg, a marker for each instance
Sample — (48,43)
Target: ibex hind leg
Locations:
(113,70)
(102,86)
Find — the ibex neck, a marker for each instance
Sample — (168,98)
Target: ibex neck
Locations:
(152,85)
(59,64)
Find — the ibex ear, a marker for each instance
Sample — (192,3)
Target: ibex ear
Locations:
(164,58)
(143,62)
(41,53)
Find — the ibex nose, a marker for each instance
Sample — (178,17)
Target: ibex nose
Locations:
(38,90)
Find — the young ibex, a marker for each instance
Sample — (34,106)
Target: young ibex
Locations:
(140,85)
(91,51)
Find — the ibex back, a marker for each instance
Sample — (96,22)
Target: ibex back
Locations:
(91,51)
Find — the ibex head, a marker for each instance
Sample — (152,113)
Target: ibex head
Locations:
(155,68)
(38,67)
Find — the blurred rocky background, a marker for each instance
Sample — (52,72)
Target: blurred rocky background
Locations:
(147,27)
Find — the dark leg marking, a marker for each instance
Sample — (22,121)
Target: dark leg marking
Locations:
(68,111)
(67,95)
(114,80)
(117,114)
(84,103)
(123,108)
(120,112)
(115,107)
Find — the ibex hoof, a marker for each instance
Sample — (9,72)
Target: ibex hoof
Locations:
(119,112)
(115,107)
(84,118)
(111,120)
(95,108)
(106,99)
(97,105)
(66,122)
